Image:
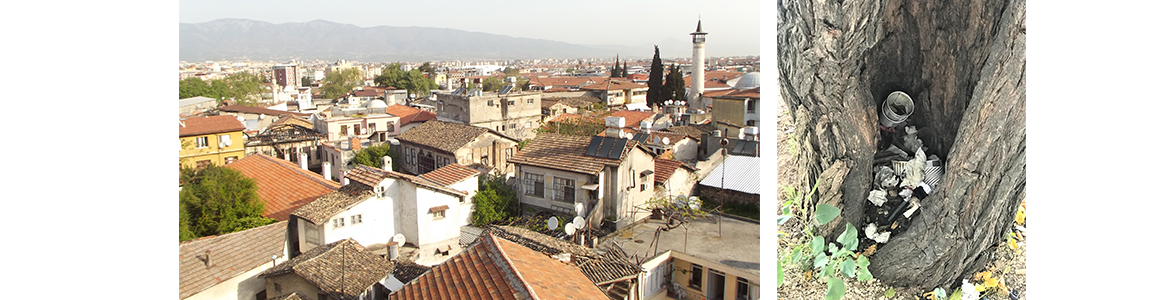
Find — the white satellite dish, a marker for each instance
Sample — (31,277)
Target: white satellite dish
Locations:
(570,228)
(657,140)
(552,223)
(666,141)
(695,203)
(579,222)
(629,136)
(401,239)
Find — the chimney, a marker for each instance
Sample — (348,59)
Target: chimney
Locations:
(304,160)
(325,170)
(344,180)
(207,258)
(355,144)
(387,163)
(392,250)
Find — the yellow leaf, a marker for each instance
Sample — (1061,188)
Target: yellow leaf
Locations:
(979,276)
(1003,288)
(991,282)
(1012,243)
(870,250)
(980,288)
(1020,217)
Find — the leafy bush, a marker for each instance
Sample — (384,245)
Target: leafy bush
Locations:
(831,258)
(495,201)
(217,200)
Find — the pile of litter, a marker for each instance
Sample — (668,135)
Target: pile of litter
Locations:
(905,172)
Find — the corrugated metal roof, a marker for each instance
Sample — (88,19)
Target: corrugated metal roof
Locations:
(743,174)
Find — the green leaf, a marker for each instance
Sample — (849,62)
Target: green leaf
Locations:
(797,256)
(818,244)
(956,296)
(833,249)
(821,260)
(849,268)
(825,272)
(940,293)
(779,273)
(826,213)
(863,269)
(890,293)
(848,239)
(836,289)
(831,268)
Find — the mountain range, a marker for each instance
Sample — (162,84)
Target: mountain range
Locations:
(230,39)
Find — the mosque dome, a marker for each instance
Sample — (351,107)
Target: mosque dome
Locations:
(748,81)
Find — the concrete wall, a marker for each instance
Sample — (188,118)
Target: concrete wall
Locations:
(432,230)
(630,205)
(681,182)
(491,110)
(411,165)
(331,128)
(728,110)
(687,149)
(496,148)
(683,261)
(190,155)
(377,226)
(290,283)
(242,287)
(547,202)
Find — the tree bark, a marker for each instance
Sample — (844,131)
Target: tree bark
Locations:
(963,64)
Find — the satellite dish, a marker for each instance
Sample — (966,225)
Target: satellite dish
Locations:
(629,136)
(552,223)
(666,141)
(578,222)
(570,228)
(695,203)
(657,140)
(227,141)
(401,239)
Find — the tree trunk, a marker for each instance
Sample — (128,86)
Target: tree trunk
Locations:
(963,64)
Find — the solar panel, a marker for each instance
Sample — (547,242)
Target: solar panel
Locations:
(750,149)
(505,89)
(618,146)
(641,137)
(458,91)
(603,151)
(738,147)
(593,144)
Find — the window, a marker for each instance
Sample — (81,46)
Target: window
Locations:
(565,190)
(534,185)
(751,105)
(741,288)
(276,288)
(439,215)
(643,187)
(224,139)
(373,127)
(410,156)
(483,160)
(355,219)
(203,163)
(751,123)
(512,126)
(389,125)
(530,101)
(201,142)
(322,296)
(508,153)
(491,103)
(229,159)
(344,129)
(511,102)
(339,222)
(696,277)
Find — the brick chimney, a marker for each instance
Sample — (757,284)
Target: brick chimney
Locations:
(325,170)
(355,144)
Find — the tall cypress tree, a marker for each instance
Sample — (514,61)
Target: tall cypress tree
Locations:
(655,96)
(625,70)
(675,87)
(616,71)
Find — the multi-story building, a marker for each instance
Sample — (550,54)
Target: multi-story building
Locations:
(435,144)
(286,75)
(619,93)
(203,141)
(511,112)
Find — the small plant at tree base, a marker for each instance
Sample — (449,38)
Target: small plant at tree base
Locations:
(831,258)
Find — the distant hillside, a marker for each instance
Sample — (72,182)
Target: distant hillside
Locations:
(248,39)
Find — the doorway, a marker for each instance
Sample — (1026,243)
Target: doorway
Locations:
(716,283)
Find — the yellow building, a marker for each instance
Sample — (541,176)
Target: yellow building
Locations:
(215,140)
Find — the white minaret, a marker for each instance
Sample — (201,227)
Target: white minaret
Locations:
(698,62)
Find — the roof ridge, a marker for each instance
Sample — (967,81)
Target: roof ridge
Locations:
(495,244)
(298,170)
(204,238)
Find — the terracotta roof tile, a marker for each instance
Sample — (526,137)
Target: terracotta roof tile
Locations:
(442,135)
(494,268)
(633,118)
(373,176)
(717,93)
(231,255)
(343,269)
(748,93)
(611,266)
(613,85)
(564,152)
(663,168)
(693,131)
(450,174)
(334,202)
(209,125)
(282,185)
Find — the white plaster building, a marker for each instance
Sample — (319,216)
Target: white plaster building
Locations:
(225,266)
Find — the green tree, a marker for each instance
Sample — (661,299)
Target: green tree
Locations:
(427,68)
(656,94)
(372,156)
(244,87)
(583,126)
(194,87)
(339,83)
(616,71)
(625,70)
(414,81)
(216,200)
(492,84)
(495,201)
(307,81)
(675,87)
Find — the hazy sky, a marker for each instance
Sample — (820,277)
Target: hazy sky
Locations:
(733,26)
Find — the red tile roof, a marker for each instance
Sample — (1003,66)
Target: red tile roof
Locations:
(613,85)
(663,168)
(495,268)
(633,118)
(564,152)
(282,185)
(450,174)
(407,114)
(343,269)
(717,93)
(748,93)
(209,125)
